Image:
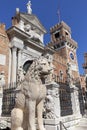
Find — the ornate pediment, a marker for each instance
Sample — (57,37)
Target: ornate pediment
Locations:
(32,20)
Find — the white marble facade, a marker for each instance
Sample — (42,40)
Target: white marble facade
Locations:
(26,42)
(19,56)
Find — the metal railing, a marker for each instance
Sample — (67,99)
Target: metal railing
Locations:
(8,100)
(62,126)
(59,79)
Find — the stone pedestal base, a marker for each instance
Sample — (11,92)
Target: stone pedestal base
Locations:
(68,121)
(51,124)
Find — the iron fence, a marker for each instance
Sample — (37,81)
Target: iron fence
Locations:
(8,101)
(65,97)
(62,126)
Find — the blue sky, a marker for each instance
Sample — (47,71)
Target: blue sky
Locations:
(73,12)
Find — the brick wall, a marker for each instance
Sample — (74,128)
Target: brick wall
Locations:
(62,52)
(60,64)
(4,52)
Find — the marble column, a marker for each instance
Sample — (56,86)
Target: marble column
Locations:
(9,71)
(19,66)
(19,59)
(14,65)
(75,101)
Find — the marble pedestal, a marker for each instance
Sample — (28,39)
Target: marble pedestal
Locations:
(54,124)
(53,109)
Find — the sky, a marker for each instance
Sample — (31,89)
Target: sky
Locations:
(72,12)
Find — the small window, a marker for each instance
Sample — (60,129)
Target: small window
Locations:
(57,35)
(66,33)
(61,75)
(72,56)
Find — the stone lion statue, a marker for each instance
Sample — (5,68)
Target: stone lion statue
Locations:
(30,98)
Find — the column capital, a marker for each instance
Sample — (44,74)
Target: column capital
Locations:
(16,42)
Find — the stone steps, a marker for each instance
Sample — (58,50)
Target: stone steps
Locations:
(82,125)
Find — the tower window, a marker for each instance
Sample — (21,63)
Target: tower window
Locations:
(66,33)
(72,56)
(61,75)
(57,35)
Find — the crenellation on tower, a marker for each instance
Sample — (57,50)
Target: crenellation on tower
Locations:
(59,26)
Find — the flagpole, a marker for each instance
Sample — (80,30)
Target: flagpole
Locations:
(59,19)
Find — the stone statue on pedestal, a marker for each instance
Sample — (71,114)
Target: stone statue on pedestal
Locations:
(30,98)
(29,7)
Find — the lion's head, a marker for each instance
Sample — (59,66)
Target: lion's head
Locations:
(40,68)
(43,66)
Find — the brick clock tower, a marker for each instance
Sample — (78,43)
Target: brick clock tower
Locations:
(65,47)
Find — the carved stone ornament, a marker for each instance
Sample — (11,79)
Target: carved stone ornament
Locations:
(50,104)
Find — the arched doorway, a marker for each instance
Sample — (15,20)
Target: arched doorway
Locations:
(27,65)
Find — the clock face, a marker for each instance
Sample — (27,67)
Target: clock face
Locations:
(71,55)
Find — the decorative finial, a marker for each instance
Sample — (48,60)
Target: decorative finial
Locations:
(29,10)
(17,10)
